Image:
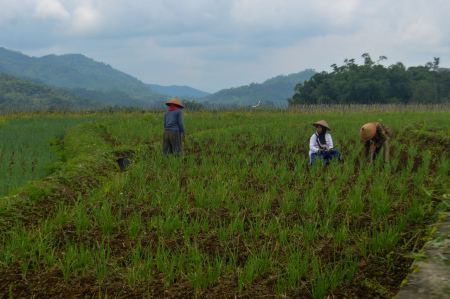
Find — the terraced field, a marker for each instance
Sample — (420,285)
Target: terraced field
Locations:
(240,214)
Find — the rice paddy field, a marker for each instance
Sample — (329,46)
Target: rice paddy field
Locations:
(241,214)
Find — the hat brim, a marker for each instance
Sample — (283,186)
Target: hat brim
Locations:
(370,134)
(328,128)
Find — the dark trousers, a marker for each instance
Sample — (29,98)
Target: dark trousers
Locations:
(325,157)
(172,143)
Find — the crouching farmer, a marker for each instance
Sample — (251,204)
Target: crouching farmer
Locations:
(375,136)
(321,144)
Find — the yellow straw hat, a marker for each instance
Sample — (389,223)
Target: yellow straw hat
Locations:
(175,101)
(322,123)
(368,131)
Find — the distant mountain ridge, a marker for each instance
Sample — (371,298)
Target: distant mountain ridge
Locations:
(87,78)
(77,72)
(178,91)
(273,91)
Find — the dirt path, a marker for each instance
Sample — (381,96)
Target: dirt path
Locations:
(430,278)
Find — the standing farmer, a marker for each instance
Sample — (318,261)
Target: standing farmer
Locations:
(375,135)
(173,128)
(321,144)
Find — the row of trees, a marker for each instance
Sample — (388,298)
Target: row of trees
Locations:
(374,83)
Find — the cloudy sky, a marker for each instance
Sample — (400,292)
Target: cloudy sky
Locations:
(216,44)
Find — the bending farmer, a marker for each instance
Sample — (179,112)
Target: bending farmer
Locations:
(173,128)
(321,144)
(375,135)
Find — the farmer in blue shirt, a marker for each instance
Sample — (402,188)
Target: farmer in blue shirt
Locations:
(173,128)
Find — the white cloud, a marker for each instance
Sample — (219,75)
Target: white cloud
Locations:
(52,9)
(86,19)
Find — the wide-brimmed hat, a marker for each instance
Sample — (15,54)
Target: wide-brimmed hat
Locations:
(368,131)
(322,123)
(175,101)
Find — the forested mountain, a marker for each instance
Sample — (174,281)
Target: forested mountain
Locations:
(374,83)
(272,91)
(178,91)
(15,92)
(81,75)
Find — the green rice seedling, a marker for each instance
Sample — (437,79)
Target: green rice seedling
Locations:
(148,264)
(364,247)
(135,270)
(310,203)
(351,268)
(297,265)
(283,234)
(271,227)
(264,204)
(42,243)
(326,226)
(310,232)
(355,202)
(416,210)
(172,222)
(134,224)
(162,258)
(8,249)
(384,239)
(255,228)
(51,256)
(104,217)
(341,236)
(67,262)
(231,257)
(329,201)
(195,273)
(223,231)
(246,275)
(289,202)
(101,267)
(84,258)
(237,224)
(380,205)
(320,283)
(422,171)
(63,215)
(444,167)
(412,151)
(205,225)
(82,221)
(214,269)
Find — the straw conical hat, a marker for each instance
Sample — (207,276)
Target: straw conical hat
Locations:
(175,101)
(322,123)
(368,131)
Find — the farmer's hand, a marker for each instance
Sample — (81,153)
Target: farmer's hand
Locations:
(321,150)
(330,150)
(372,148)
(184,138)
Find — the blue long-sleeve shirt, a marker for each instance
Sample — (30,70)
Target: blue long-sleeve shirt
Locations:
(173,121)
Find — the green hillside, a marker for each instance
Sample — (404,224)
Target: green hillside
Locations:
(272,91)
(15,92)
(178,91)
(78,73)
